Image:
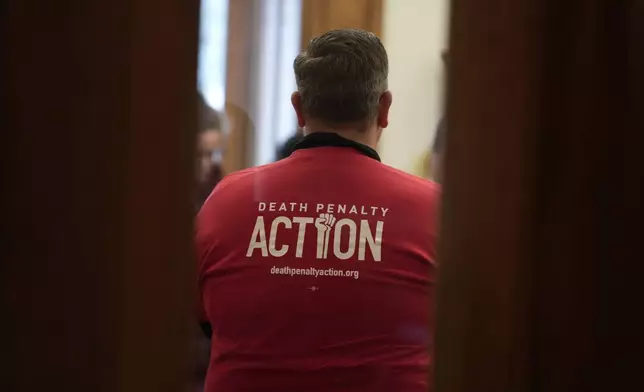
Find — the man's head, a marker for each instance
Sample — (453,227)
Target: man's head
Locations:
(342,83)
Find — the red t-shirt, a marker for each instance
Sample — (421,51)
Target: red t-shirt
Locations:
(317,273)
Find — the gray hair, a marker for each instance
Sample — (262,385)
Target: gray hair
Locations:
(341,76)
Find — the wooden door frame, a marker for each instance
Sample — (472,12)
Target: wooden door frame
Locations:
(316,19)
(540,259)
(97,276)
(242,41)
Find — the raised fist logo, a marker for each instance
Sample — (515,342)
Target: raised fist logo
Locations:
(324,224)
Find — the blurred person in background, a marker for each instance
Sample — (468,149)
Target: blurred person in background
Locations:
(430,165)
(211,141)
(317,272)
(438,148)
(436,157)
(285,150)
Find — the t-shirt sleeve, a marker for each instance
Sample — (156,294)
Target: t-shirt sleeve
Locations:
(200,310)
(203,245)
(209,231)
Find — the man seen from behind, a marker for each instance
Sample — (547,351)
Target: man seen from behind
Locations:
(317,272)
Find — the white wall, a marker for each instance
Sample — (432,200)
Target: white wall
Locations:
(414,33)
(213,40)
(279,36)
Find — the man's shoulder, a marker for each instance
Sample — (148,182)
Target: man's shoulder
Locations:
(227,194)
(239,182)
(245,178)
(236,178)
(411,181)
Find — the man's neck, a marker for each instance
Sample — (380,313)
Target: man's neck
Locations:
(367,137)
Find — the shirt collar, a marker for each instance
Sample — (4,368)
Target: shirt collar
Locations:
(327,139)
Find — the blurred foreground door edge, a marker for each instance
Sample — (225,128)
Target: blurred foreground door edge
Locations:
(541,254)
(97,183)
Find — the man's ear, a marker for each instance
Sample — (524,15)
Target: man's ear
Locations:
(383,109)
(296,101)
